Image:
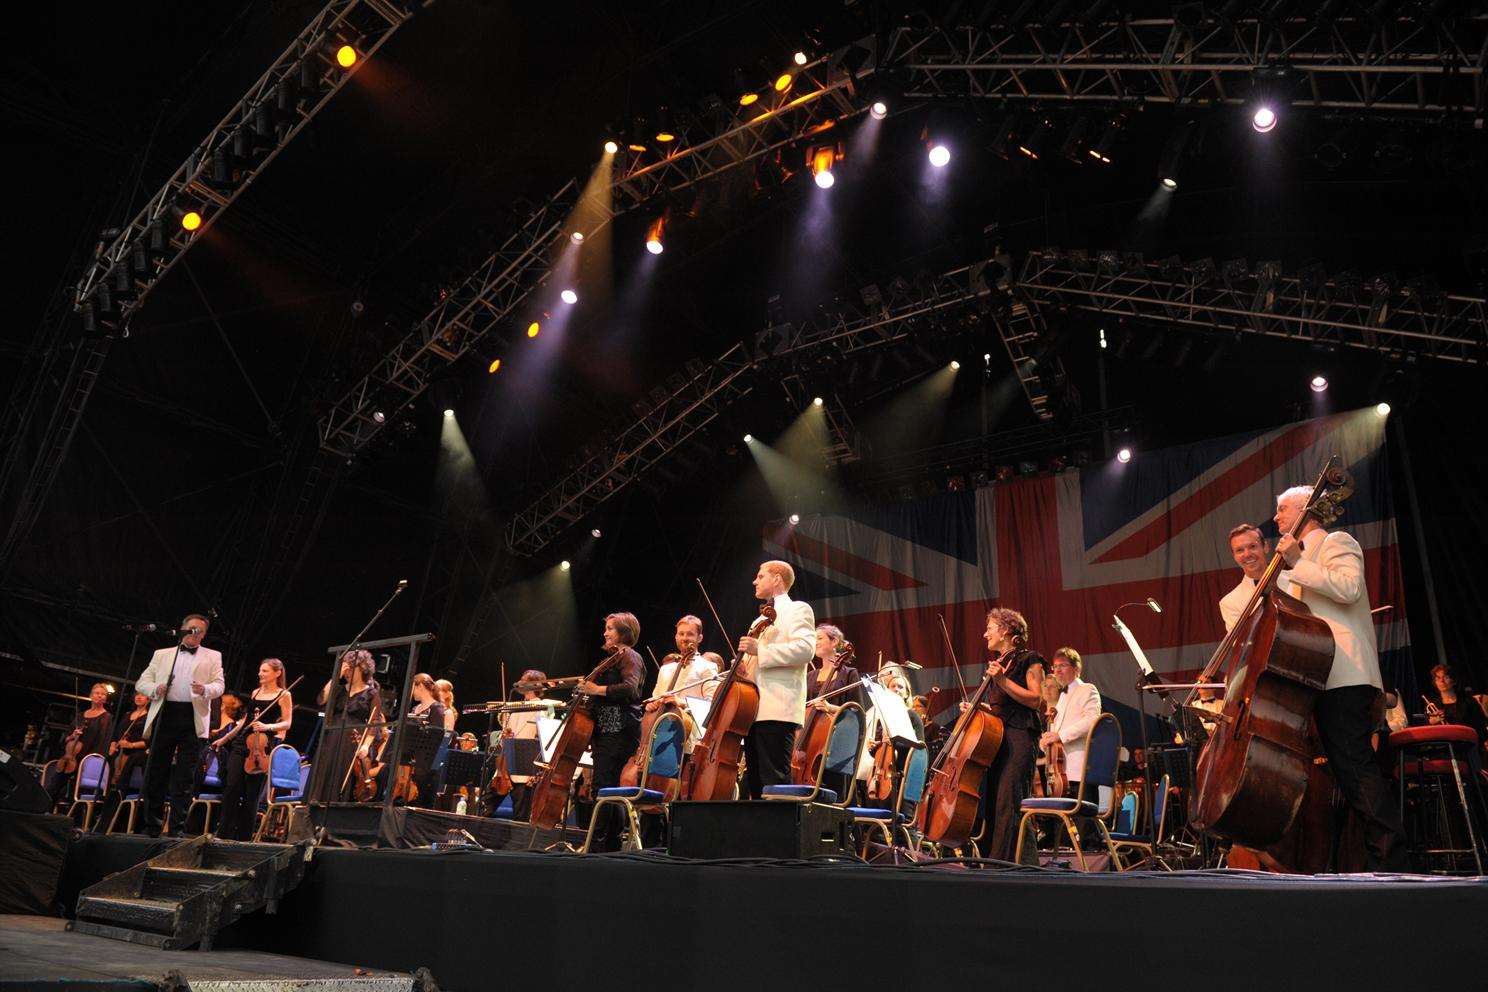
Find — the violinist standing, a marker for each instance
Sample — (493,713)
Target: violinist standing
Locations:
(781,654)
(181,682)
(358,705)
(1015,697)
(242,789)
(617,716)
(1326,571)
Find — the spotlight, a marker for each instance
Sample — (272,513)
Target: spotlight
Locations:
(1169,182)
(665,136)
(577,237)
(569,296)
(346,56)
(800,58)
(1318,383)
(817,401)
(109,687)
(987,356)
(533,329)
(783,82)
(611,147)
(596,533)
(1177,151)
(748,98)
(494,367)
(1382,409)
(748,438)
(879,110)
(940,156)
(379,417)
(795,518)
(821,161)
(564,565)
(1103,339)
(1263,120)
(955,366)
(1102,149)
(191,220)
(654,246)
(654,234)
(449,414)
(1124,455)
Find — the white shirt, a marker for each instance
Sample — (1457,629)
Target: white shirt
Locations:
(696,669)
(180,686)
(1233,603)
(1329,578)
(1078,708)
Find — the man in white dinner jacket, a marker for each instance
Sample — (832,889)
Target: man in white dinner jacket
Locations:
(778,660)
(181,682)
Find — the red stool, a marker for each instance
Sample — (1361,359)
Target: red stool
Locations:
(1428,755)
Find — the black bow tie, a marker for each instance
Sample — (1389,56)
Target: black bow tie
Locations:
(188,649)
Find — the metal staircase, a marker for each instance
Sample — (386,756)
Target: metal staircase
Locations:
(187,894)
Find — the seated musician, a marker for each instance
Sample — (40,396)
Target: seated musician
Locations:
(232,711)
(894,678)
(93,729)
(1076,711)
(781,654)
(617,716)
(522,725)
(1446,703)
(837,679)
(687,673)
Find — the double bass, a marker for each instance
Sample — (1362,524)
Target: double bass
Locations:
(811,741)
(551,787)
(953,790)
(712,770)
(1259,763)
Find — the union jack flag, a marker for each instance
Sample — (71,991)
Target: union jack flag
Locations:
(1066,550)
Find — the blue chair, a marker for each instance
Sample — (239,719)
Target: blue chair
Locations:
(285,788)
(89,787)
(844,744)
(1131,840)
(1102,754)
(131,791)
(662,755)
(1125,820)
(894,817)
(209,794)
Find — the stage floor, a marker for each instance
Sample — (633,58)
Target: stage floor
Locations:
(479,920)
(38,952)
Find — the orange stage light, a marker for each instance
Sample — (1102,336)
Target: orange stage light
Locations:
(346,56)
(494,367)
(533,328)
(748,98)
(783,82)
(191,220)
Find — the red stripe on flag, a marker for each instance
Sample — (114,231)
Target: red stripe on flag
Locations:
(861,569)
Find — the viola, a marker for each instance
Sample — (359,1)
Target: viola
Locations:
(1055,771)
(121,760)
(712,770)
(1255,770)
(550,789)
(71,751)
(501,782)
(366,767)
(881,777)
(812,739)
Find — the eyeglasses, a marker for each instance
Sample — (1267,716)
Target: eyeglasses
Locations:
(197,631)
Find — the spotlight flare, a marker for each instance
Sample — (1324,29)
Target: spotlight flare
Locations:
(940,156)
(1124,455)
(569,296)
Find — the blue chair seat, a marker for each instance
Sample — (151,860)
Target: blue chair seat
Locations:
(207,797)
(1134,838)
(627,792)
(872,813)
(800,792)
(1054,805)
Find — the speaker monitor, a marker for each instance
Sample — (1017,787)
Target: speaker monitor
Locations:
(19,789)
(764,829)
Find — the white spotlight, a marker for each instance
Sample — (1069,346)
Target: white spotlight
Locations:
(1383,409)
(824,179)
(1169,183)
(611,148)
(654,246)
(596,532)
(795,518)
(879,110)
(955,366)
(564,565)
(569,296)
(1103,338)
(940,156)
(817,401)
(379,417)
(577,237)
(1319,383)
(449,414)
(800,58)
(1263,120)
(1124,455)
(987,356)
(748,438)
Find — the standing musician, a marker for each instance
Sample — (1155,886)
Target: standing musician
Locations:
(359,705)
(782,650)
(830,675)
(428,710)
(126,753)
(1326,571)
(617,715)
(446,690)
(1014,697)
(523,726)
(1078,708)
(241,789)
(91,732)
(1248,547)
(181,682)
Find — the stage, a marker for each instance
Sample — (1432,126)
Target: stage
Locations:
(564,921)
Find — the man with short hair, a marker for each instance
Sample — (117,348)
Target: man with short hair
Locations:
(181,682)
(1248,547)
(1078,708)
(776,661)
(1325,569)
(688,673)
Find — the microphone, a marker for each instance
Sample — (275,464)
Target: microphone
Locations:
(1153,605)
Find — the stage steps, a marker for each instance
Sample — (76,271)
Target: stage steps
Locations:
(185,895)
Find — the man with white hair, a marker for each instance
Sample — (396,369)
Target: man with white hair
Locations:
(1326,571)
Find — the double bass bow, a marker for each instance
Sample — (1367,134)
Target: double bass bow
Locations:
(712,770)
(953,791)
(1254,770)
(551,788)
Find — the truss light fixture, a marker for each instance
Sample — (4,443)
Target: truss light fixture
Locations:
(799,58)
(1319,384)
(795,518)
(346,56)
(784,82)
(1124,455)
(955,365)
(565,565)
(191,220)
(821,161)
(494,367)
(748,438)
(577,237)
(449,414)
(817,401)
(1175,154)
(940,156)
(533,329)
(596,532)
(569,296)
(1264,119)
(379,417)
(748,98)
(654,235)
(879,110)
(1382,409)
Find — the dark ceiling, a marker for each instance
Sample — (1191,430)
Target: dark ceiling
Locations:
(440,145)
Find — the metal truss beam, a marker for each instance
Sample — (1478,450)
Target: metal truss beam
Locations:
(1393,63)
(275,109)
(1411,321)
(819,98)
(705,390)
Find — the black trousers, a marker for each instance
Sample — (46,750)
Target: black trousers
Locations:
(1005,788)
(117,784)
(611,752)
(767,753)
(1345,721)
(173,754)
(241,792)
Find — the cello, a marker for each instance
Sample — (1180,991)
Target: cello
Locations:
(811,742)
(550,789)
(712,771)
(953,790)
(1257,766)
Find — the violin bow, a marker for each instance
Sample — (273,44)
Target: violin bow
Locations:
(714,610)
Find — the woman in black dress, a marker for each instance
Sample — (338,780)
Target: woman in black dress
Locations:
(1015,698)
(428,710)
(358,705)
(266,714)
(126,753)
(1447,703)
(94,730)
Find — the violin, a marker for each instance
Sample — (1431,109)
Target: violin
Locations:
(551,788)
(501,782)
(257,760)
(712,770)
(881,778)
(71,751)
(123,753)
(811,741)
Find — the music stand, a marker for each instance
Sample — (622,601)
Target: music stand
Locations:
(464,768)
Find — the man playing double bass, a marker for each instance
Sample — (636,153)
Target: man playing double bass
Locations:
(783,650)
(1326,571)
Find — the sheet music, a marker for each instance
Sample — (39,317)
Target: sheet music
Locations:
(698,708)
(1136,649)
(547,735)
(892,711)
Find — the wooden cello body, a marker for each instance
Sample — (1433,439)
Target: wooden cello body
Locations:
(630,775)
(810,749)
(550,789)
(712,770)
(953,790)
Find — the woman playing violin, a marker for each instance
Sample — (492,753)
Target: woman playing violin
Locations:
(266,715)
(617,715)
(90,734)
